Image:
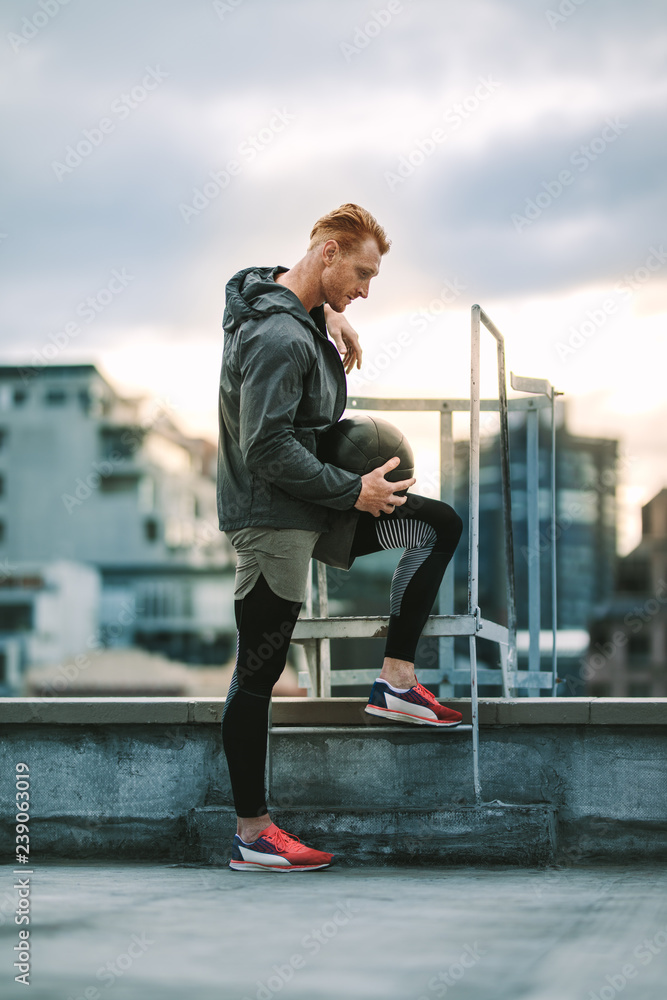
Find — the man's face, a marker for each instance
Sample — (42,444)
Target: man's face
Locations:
(347,276)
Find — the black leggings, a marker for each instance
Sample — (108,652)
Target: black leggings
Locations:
(429,531)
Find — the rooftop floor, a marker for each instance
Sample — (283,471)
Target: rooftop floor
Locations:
(161,932)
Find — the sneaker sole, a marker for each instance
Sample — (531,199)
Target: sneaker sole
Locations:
(253,866)
(389,713)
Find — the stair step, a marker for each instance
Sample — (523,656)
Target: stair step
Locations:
(487,834)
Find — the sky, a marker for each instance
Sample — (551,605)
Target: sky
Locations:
(514,151)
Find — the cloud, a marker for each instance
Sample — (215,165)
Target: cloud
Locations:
(354,118)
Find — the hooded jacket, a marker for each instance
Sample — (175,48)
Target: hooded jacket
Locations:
(282,383)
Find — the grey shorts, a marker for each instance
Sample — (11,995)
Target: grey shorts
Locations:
(282,555)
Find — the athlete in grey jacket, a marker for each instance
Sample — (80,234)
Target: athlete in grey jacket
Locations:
(282,384)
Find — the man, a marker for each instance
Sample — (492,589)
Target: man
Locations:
(282,384)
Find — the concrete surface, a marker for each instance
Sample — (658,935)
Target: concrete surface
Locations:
(151,932)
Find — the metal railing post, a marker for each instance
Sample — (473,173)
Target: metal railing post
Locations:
(506,492)
(545,388)
(533,537)
(554,592)
(310,647)
(324,645)
(473,536)
(446,593)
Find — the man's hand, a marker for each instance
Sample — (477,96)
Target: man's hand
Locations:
(345,338)
(377,493)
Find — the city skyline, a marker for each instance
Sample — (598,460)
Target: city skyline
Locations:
(514,154)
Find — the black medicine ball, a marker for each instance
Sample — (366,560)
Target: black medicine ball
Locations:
(363,443)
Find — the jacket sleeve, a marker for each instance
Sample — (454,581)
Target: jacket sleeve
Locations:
(273,364)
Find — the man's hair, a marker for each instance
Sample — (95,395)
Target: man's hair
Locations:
(349,225)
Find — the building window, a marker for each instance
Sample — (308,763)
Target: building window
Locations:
(639,651)
(120,442)
(600,690)
(639,644)
(150,529)
(15,617)
(639,690)
(55,397)
(118,484)
(20,397)
(634,575)
(2,532)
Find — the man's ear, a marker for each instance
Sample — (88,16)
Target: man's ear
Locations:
(330,250)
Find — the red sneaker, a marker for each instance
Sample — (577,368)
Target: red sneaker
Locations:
(417,705)
(275,850)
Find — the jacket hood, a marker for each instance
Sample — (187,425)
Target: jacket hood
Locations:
(253,294)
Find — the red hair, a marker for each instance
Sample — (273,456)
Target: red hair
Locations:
(349,225)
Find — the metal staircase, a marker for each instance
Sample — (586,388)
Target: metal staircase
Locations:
(315,631)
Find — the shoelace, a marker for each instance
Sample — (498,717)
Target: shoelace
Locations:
(286,841)
(426,693)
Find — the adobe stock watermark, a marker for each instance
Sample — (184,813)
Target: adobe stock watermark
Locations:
(117,967)
(581,158)
(207,533)
(312,943)
(366,33)
(565,9)
(273,642)
(84,488)
(644,953)
(446,980)
(7,908)
(590,493)
(419,321)
(67,673)
(7,569)
(225,7)
(131,441)
(624,289)
(88,310)
(633,623)
(32,25)
(454,117)
(121,109)
(246,152)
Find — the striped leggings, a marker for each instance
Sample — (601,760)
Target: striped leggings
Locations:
(428,530)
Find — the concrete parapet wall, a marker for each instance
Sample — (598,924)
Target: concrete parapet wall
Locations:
(147,778)
(333,711)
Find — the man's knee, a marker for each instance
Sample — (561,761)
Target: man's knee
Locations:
(441,515)
(448,525)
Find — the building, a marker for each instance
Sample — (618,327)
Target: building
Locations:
(585,534)
(47,613)
(627,657)
(97,480)
(585,523)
